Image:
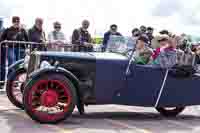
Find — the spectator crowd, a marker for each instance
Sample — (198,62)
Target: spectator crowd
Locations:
(163,50)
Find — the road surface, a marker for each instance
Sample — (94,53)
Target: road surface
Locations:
(102,119)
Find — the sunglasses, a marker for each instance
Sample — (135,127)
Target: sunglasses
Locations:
(17,21)
(57,27)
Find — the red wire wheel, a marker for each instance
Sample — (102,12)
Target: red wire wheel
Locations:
(15,86)
(49,98)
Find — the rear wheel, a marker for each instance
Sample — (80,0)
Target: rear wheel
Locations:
(170,112)
(50,98)
(15,86)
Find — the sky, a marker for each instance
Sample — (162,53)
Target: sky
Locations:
(178,16)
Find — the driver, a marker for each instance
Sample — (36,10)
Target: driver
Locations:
(143,53)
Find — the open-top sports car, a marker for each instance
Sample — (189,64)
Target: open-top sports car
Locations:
(57,82)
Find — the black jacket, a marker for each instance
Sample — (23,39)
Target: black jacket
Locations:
(14,34)
(79,36)
(36,35)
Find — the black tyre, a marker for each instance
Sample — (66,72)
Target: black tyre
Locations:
(170,112)
(15,86)
(50,98)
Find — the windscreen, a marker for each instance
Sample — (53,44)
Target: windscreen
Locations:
(118,44)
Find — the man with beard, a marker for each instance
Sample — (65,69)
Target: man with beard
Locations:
(37,35)
(81,38)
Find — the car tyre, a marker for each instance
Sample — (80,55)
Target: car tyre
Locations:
(170,112)
(11,87)
(62,87)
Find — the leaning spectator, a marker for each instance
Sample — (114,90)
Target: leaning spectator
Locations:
(133,39)
(56,38)
(112,31)
(36,34)
(15,52)
(142,54)
(82,38)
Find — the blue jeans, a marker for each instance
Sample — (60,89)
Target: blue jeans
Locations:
(11,55)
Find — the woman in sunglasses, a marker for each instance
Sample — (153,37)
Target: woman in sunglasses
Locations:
(56,38)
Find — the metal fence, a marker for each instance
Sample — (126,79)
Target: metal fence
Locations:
(12,51)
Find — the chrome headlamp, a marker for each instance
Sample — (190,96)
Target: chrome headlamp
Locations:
(45,64)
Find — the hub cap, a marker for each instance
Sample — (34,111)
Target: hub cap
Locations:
(49,98)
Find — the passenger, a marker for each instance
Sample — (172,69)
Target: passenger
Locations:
(197,52)
(167,56)
(143,30)
(112,31)
(56,38)
(133,39)
(142,54)
(36,34)
(150,31)
(162,42)
(82,38)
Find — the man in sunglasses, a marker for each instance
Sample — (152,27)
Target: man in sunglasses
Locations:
(112,31)
(37,34)
(56,38)
(81,38)
(14,52)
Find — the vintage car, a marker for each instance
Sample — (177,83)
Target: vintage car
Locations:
(55,83)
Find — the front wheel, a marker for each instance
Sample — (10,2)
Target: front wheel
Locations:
(49,98)
(15,86)
(170,112)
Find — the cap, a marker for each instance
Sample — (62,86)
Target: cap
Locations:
(135,29)
(164,32)
(163,37)
(113,26)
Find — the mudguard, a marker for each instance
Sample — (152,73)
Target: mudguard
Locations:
(17,65)
(66,73)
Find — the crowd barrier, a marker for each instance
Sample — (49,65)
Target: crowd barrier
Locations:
(12,51)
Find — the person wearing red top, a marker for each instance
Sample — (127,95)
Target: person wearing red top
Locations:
(163,41)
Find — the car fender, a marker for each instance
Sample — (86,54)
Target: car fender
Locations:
(62,71)
(17,65)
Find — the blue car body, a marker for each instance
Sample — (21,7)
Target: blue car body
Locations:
(144,85)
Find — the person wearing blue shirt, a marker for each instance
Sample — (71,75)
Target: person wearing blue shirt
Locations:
(112,31)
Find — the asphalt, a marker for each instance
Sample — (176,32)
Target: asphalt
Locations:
(102,119)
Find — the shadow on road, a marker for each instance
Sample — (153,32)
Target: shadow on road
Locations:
(154,122)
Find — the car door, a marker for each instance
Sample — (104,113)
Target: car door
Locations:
(143,85)
(110,78)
